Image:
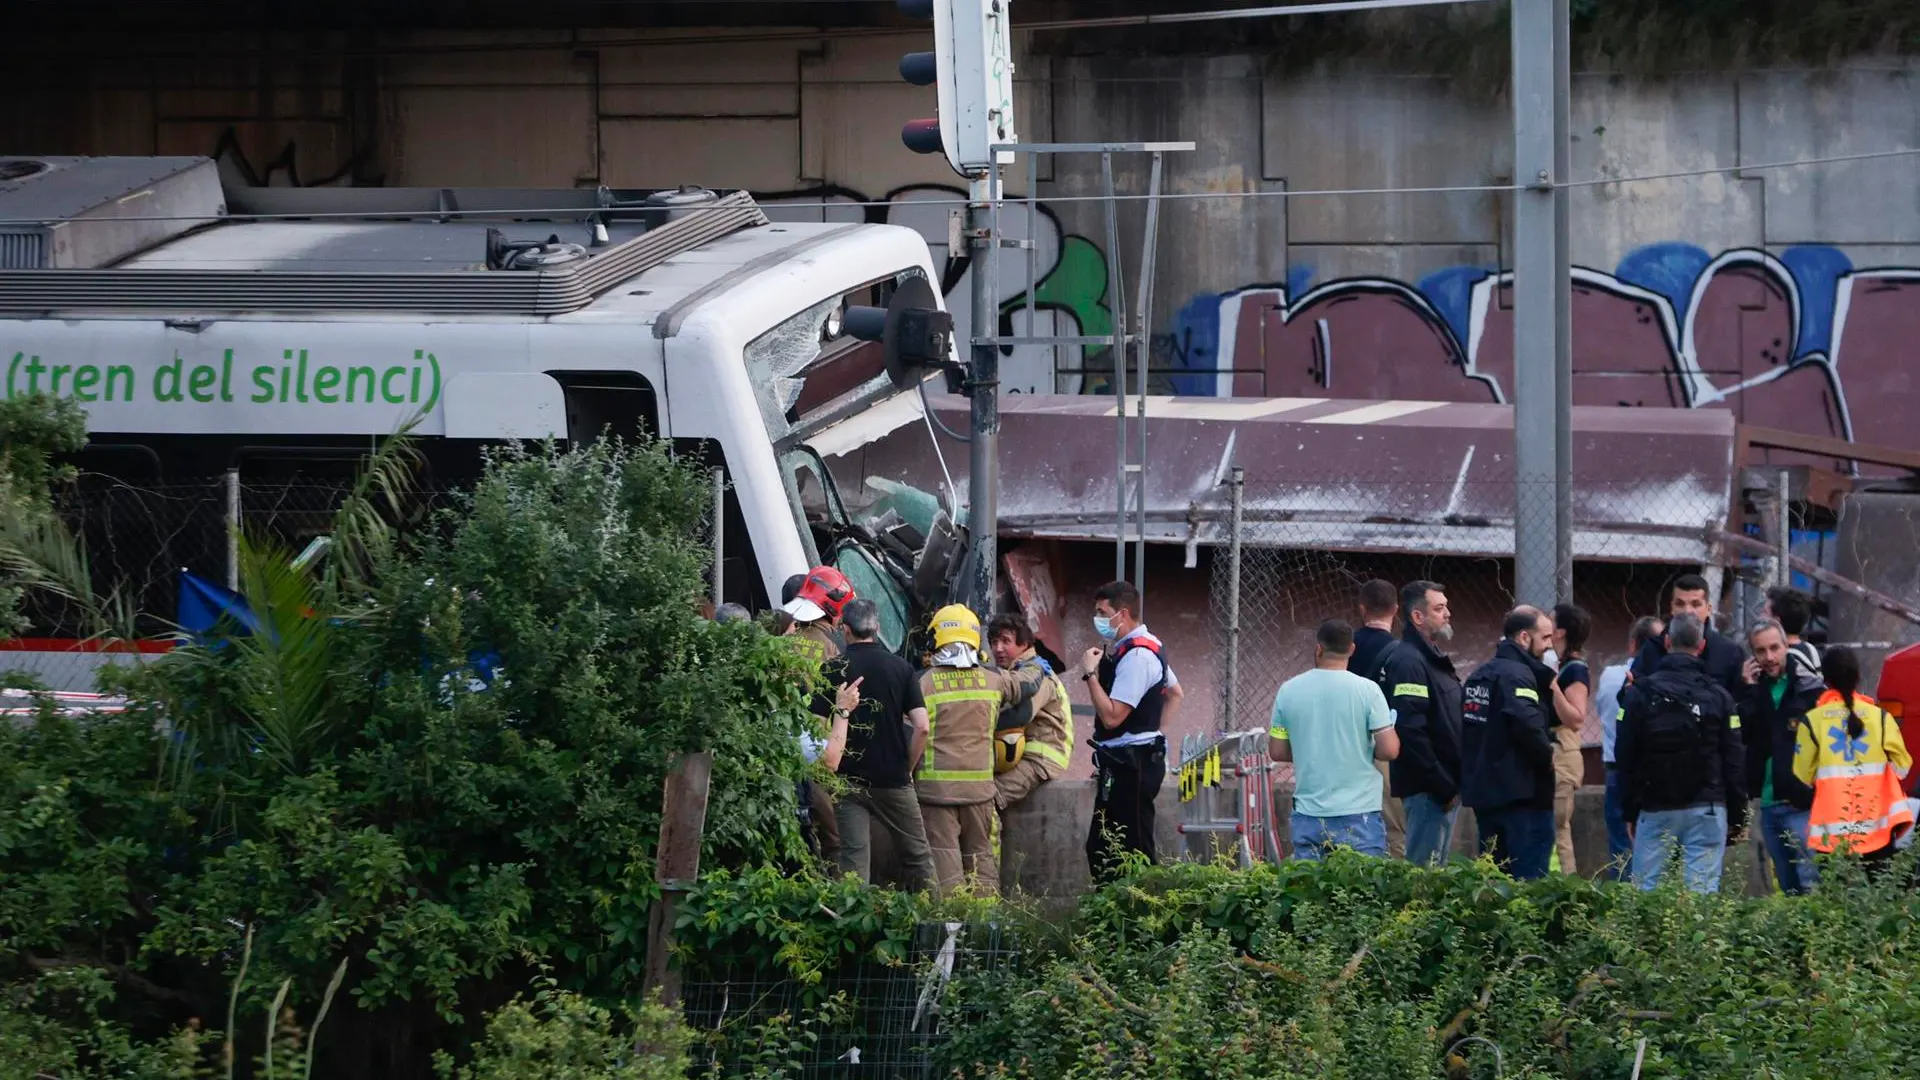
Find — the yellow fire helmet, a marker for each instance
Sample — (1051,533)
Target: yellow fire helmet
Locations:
(955,622)
(1008,748)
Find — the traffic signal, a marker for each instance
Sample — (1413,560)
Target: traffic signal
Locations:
(971,68)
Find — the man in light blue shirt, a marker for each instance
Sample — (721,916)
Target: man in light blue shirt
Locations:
(1333,725)
(1606,701)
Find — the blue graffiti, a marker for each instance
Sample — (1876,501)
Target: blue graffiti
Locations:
(1816,270)
(1672,270)
(1451,293)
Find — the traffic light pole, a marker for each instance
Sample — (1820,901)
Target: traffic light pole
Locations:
(983,473)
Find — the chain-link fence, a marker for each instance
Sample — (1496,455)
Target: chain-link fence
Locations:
(863,1018)
(139,539)
(1298,558)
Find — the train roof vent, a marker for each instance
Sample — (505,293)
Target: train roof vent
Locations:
(75,213)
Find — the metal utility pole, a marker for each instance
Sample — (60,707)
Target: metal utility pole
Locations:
(983,459)
(1542,306)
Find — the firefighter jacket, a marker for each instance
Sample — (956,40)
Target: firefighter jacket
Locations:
(1047,718)
(818,642)
(962,705)
(1424,691)
(1856,780)
(1506,753)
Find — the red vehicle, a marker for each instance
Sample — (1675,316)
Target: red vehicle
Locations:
(1899,694)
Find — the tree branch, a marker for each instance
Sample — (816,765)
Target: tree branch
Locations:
(130,979)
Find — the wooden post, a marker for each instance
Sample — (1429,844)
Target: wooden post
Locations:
(683,819)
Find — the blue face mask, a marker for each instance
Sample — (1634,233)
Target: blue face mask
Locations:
(1103,626)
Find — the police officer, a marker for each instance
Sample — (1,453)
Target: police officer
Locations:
(1133,692)
(1506,752)
(955,783)
(1682,762)
(1424,691)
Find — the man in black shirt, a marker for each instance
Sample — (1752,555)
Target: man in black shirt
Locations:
(885,737)
(1723,657)
(1424,690)
(1379,603)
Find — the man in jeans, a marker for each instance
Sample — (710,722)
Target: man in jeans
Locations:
(885,735)
(1682,765)
(1333,725)
(1606,701)
(1779,693)
(1424,693)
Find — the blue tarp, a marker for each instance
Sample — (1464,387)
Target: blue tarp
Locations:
(203,604)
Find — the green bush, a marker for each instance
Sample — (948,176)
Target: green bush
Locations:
(35,552)
(348,785)
(555,1035)
(1370,969)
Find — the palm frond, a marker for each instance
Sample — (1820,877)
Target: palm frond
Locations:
(364,528)
(38,551)
(286,665)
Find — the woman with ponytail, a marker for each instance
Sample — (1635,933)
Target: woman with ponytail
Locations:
(1852,755)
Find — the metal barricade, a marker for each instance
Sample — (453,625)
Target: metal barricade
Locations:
(1226,790)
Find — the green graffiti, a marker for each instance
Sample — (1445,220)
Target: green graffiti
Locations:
(1077,284)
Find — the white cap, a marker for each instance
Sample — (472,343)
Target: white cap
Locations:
(803,610)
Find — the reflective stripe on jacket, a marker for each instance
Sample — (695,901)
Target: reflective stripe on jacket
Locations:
(962,705)
(1047,719)
(1857,800)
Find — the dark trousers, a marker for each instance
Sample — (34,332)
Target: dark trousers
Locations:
(1519,838)
(1619,845)
(1126,781)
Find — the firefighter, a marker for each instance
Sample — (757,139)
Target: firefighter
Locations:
(955,783)
(821,596)
(1031,740)
(816,609)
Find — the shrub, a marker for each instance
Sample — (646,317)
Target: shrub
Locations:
(444,768)
(1363,968)
(555,1035)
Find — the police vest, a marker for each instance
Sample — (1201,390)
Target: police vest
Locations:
(1145,717)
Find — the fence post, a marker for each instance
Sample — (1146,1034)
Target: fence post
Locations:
(233,529)
(1236,485)
(719,535)
(1784,570)
(683,819)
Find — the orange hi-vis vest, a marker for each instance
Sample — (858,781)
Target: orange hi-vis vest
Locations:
(1858,800)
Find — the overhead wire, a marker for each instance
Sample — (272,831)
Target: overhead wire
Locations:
(1051,200)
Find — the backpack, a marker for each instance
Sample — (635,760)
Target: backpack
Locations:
(1674,753)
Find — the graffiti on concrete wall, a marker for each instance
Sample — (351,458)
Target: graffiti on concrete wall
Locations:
(1801,340)
(1069,274)
(283,170)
